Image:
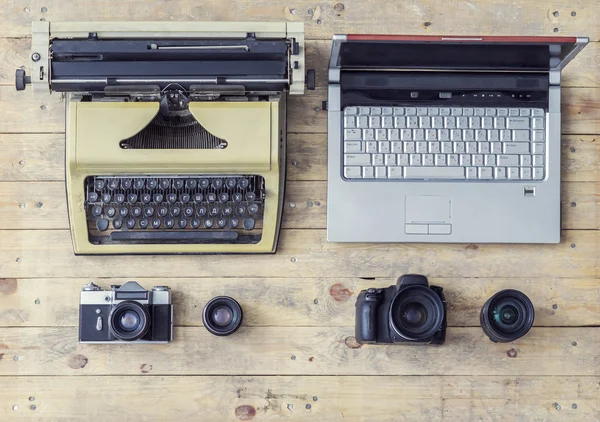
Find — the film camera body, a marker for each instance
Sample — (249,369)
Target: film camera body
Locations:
(125,314)
(412,311)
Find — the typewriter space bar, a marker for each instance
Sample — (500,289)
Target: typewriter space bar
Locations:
(173,236)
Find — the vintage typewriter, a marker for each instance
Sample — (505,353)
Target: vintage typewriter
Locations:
(175,131)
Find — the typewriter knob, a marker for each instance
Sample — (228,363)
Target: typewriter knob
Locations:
(21,79)
(311,79)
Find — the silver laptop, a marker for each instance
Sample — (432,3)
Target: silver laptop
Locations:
(445,139)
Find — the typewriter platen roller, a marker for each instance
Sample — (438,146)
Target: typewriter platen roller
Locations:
(175,131)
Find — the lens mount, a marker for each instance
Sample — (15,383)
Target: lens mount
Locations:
(507,316)
(416,313)
(222,316)
(129,321)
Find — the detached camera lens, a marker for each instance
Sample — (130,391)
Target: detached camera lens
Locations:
(507,316)
(222,316)
(417,313)
(129,321)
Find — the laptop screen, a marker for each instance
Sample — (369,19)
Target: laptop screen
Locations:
(461,53)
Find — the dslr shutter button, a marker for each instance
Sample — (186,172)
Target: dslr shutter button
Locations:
(91,287)
(371,290)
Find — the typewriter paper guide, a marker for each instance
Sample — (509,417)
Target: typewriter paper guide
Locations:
(101,126)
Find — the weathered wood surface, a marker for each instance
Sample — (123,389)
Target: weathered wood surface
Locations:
(304,398)
(302,302)
(301,351)
(296,344)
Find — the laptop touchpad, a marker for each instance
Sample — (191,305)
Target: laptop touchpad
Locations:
(428,214)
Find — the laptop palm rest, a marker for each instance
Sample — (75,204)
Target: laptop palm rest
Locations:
(428,214)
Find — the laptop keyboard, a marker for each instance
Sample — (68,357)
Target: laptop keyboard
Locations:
(454,143)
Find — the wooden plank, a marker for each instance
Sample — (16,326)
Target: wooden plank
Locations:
(582,72)
(496,17)
(306,302)
(32,157)
(301,351)
(42,205)
(45,113)
(306,253)
(302,398)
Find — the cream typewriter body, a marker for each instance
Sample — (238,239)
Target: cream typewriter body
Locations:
(175,131)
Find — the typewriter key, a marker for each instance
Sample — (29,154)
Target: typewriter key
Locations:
(184,198)
(99,184)
(191,184)
(172,198)
(97,211)
(188,211)
(158,197)
(148,211)
(237,197)
(165,183)
(102,224)
(181,223)
(227,210)
(143,223)
(155,223)
(92,196)
(138,184)
(214,210)
(217,183)
(250,196)
(126,183)
(198,197)
(106,197)
(211,197)
(230,183)
(221,222)
(119,198)
(224,197)
(175,211)
(208,223)
(252,209)
(195,223)
(248,223)
(169,223)
(132,198)
(110,212)
(234,222)
(243,183)
(123,212)
(240,210)
(201,211)
(130,223)
(113,184)
(117,223)
(178,183)
(136,211)
(162,211)
(152,183)
(146,198)
(203,183)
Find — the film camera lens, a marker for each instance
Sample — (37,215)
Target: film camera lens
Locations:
(222,316)
(507,316)
(416,313)
(129,321)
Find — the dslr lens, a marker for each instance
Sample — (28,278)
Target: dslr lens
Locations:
(416,313)
(129,321)
(507,316)
(222,316)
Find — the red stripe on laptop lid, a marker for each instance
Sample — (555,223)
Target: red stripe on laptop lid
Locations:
(459,38)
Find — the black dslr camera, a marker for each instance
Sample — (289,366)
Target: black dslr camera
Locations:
(125,314)
(412,311)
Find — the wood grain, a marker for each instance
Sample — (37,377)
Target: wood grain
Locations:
(304,302)
(33,157)
(42,205)
(303,398)
(45,113)
(491,17)
(306,253)
(288,351)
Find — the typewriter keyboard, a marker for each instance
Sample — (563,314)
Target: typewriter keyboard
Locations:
(175,209)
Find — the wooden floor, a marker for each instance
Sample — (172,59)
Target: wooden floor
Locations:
(295,358)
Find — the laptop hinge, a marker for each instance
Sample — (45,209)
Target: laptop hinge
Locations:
(554,77)
(334,75)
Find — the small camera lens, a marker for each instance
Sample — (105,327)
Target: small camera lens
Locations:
(222,316)
(507,316)
(414,315)
(130,320)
